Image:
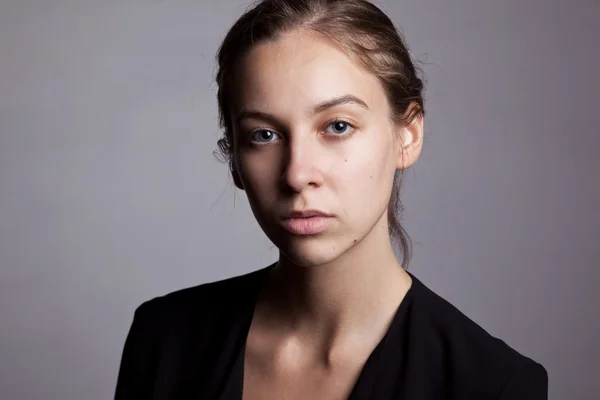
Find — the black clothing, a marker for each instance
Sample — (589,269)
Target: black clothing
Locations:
(190,344)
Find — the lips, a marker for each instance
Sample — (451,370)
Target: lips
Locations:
(307,214)
(306,222)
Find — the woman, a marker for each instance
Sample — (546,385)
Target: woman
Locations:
(322,109)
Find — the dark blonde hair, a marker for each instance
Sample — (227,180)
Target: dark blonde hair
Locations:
(363,32)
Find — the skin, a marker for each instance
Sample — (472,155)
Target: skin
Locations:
(332,295)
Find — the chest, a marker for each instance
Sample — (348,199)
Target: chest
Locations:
(272,370)
(264,382)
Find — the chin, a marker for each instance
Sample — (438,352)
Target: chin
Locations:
(312,251)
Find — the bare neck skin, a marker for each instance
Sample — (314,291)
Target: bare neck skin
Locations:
(346,303)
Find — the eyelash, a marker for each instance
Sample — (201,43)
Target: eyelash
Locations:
(332,122)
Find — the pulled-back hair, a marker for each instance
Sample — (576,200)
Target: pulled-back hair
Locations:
(358,28)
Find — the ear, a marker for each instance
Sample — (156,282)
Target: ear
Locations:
(409,143)
(236,176)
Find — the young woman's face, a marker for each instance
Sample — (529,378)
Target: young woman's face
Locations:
(312,133)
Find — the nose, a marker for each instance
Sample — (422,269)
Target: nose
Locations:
(301,165)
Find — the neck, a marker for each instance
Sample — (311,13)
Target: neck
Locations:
(353,294)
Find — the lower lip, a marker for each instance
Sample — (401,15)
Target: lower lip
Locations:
(307,226)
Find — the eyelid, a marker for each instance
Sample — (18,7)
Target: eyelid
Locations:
(249,134)
(352,125)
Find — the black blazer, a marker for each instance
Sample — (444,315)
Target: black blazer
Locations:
(190,345)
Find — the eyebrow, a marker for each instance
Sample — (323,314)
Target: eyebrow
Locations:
(319,108)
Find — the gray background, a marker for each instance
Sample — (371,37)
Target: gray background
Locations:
(110,194)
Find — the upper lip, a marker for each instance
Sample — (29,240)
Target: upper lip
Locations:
(306,214)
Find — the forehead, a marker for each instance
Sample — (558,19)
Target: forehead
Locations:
(301,69)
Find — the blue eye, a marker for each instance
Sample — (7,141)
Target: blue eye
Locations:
(337,128)
(340,128)
(262,136)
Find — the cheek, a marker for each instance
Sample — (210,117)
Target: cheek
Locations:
(259,175)
(368,185)
(369,171)
(365,185)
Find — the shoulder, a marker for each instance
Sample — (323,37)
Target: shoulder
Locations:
(476,360)
(173,337)
(204,299)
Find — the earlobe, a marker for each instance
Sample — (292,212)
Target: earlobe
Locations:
(236,177)
(410,144)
